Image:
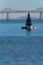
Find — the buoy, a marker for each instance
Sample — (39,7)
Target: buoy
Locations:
(33,27)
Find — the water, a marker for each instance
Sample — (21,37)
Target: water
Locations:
(20,47)
(15,29)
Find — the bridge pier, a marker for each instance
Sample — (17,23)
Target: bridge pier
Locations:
(7,15)
(40,16)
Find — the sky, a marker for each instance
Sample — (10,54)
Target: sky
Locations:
(21,4)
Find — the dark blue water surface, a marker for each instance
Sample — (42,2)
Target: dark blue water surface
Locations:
(18,46)
(14,28)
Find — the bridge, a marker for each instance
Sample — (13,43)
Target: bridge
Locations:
(8,10)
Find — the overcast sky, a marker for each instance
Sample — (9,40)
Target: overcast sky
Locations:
(21,4)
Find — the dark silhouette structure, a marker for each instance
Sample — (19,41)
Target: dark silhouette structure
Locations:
(28,21)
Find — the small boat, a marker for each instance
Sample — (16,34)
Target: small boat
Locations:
(29,27)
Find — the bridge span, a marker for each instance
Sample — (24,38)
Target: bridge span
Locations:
(8,10)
